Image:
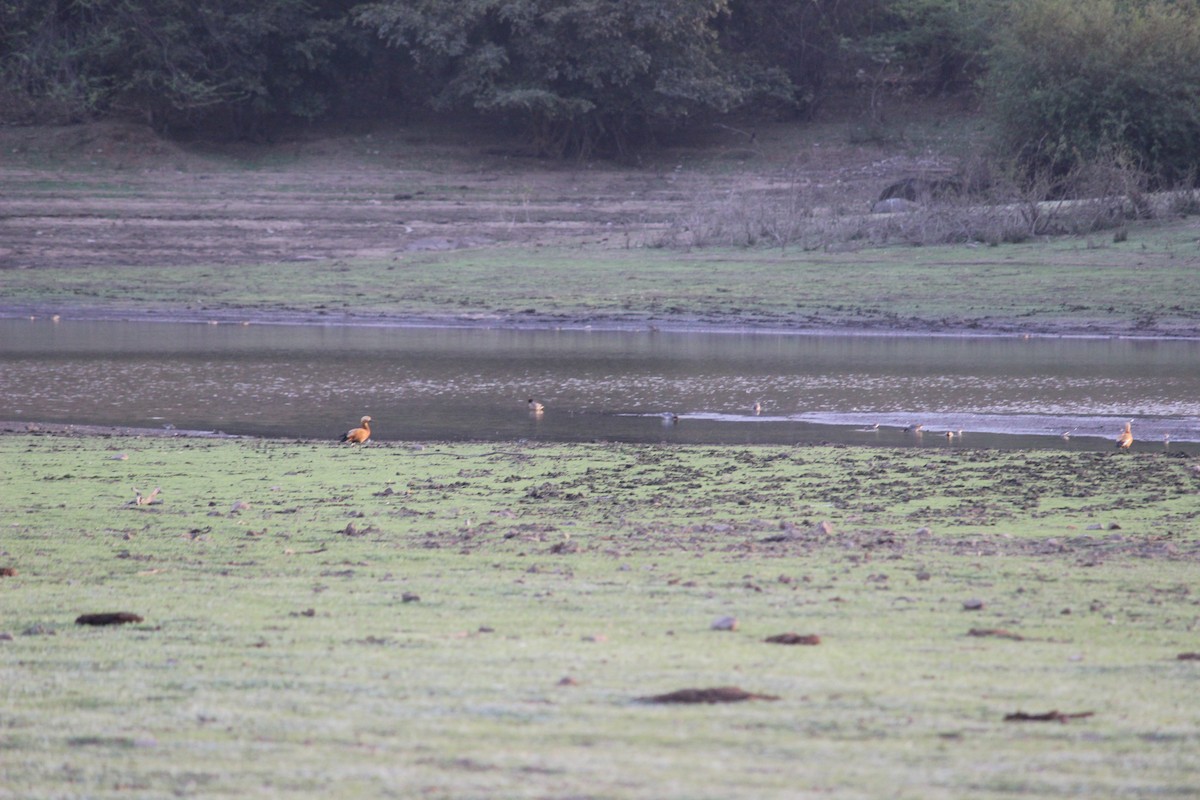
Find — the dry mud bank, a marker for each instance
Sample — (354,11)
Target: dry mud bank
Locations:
(407,228)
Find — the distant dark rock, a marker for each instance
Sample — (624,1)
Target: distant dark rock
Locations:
(718,694)
(108,618)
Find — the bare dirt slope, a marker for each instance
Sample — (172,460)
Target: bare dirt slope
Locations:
(111,194)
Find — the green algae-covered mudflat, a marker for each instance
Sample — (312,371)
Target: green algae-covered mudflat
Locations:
(483,620)
(1069,285)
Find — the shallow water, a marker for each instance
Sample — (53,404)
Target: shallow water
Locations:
(438,383)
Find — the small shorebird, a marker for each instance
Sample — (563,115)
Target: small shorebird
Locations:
(915,428)
(757,408)
(1125,439)
(358,435)
(1066,435)
(535,407)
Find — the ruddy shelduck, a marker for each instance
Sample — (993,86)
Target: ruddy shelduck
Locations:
(359,435)
(1126,438)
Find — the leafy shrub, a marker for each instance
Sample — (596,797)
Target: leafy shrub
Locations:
(805,42)
(1074,79)
(44,73)
(940,44)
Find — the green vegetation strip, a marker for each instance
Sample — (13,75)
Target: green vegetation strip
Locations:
(1145,284)
(482,620)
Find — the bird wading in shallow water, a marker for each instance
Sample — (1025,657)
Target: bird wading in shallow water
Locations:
(1125,439)
(359,435)
(535,407)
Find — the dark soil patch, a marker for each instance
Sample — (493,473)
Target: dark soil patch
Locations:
(794,638)
(108,618)
(718,694)
(1048,716)
(998,633)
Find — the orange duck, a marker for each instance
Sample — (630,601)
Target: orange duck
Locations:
(359,435)
(1125,439)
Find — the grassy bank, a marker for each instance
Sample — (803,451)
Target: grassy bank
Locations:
(479,620)
(1144,285)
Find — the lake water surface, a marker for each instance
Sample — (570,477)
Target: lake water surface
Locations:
(452,383)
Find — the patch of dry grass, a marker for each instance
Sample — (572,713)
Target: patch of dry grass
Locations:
(806,215)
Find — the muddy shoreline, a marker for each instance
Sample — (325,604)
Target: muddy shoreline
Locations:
(680,324)
(12,427)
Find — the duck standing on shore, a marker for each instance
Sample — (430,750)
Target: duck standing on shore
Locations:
(1125,439)
(359,435)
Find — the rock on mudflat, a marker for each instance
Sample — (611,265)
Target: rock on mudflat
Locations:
(716,694)
(108,618)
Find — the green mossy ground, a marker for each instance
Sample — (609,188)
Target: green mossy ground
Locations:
(282,652)
(1142,286)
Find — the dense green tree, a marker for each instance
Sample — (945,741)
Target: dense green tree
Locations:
(581,74)
(1074,79)
(1067,78)
(941,44)
(807,42)
(176,61)
(43,53)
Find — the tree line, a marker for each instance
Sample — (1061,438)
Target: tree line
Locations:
(1065,78)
